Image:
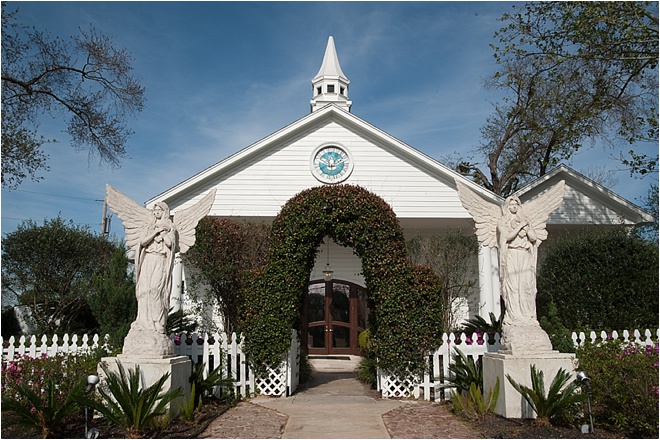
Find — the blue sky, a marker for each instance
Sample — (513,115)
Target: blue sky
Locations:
(219,76)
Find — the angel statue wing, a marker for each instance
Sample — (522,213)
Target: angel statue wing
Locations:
(134,216)
(186,220)
(486,214)
(539,209)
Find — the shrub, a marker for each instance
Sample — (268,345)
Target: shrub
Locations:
(43,408)
(561,396)
(559,335)
(480,325)
(464,371)
(40,391)
(128,403)
(205,386)
(592,278)
(367,370)
(473,404)
(624,383)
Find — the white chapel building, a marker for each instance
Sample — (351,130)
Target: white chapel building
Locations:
(331,145)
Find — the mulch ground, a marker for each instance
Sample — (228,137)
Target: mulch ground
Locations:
(414,419)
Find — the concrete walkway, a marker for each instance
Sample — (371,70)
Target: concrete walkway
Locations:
(334,404)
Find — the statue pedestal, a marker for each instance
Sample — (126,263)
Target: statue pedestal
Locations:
(510,402)
(152,369)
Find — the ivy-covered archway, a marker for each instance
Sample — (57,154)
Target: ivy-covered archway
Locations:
(405,299)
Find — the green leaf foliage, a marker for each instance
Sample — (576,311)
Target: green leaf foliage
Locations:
(128,403)
(464,372)
(600,280)
(473,404)
(406,300)
(49,269)
(205,386)
(559,335)
(225,251)
(111,298)
(624,384)
(46,411)
(561,396)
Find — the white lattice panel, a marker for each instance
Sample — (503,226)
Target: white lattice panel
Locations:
(273,383)
(392,387)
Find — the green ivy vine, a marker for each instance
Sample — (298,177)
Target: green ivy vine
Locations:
(405,299)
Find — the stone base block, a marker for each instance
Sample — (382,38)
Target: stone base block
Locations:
(152,369)
(510,403)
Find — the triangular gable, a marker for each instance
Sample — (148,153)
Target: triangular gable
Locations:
(433,181)
(585,201)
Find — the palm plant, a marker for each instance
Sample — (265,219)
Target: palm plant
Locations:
(127,403)
(46,412)
(206,385)
(474,405)
(561,395)
(479,324)
(463,372)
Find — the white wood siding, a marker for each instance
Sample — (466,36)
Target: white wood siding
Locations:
(263,184)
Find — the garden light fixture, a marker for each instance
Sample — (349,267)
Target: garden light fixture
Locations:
(584,380)
(92,380)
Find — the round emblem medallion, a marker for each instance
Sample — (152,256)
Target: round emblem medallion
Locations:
(331,164)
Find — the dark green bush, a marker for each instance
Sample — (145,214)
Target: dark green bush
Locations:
(601,280)
(624,382)
(406,301)
(559,335)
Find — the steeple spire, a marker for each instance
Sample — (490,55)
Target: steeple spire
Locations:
(330,85)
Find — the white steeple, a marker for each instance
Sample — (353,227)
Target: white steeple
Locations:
(330,84)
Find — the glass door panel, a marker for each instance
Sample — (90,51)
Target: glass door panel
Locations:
(316,319)
(341,337)
(341,303)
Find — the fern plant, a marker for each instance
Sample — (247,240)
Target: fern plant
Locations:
(129,404)
(45,411)
(463,372)
(473,404)
(560,397)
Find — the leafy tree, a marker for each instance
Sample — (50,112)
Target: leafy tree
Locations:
(453,258)
(600,280)
(572,72)
(87,79)
(10,324)
(224,251)
(112,298)
(49,268)
(650,232)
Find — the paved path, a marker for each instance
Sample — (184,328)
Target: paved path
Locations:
(335,404)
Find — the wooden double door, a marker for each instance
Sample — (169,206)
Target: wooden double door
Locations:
(335,314)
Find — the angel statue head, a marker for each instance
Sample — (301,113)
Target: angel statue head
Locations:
(512,206)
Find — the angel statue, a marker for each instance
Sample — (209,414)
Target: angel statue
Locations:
(155,239)
(516,231)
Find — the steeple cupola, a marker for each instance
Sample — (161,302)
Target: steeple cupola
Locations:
(330,85)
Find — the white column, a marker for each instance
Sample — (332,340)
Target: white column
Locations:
(177,285)
(485,282)
(495,277)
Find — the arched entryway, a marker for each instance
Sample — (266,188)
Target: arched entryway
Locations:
(334,315)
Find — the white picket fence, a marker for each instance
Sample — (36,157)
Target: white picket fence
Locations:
(283,381)
(433,385)
(209,349)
